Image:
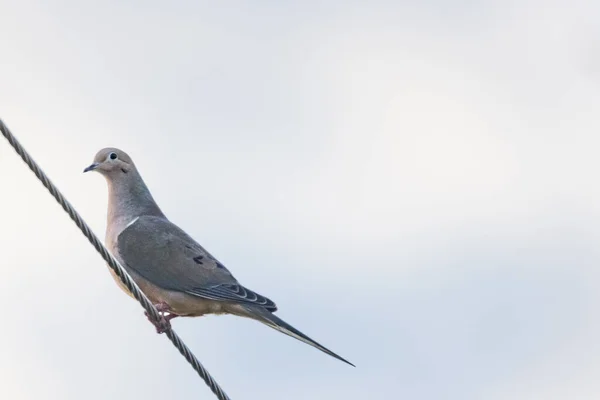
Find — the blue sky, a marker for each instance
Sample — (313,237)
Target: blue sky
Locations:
(413,184)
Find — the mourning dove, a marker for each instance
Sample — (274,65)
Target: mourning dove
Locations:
(177,274)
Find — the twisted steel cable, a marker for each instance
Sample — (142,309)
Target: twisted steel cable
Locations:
(112,262)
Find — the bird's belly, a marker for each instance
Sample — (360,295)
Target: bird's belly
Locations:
(192,306)
(180,303)
(119,282)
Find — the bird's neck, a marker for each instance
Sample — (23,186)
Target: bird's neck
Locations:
(128,199)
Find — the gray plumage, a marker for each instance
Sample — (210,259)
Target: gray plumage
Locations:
(170,267)
(152,241)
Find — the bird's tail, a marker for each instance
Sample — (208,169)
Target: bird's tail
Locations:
(270,319)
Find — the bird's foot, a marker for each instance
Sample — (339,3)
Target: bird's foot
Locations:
(164,322)
(161,326)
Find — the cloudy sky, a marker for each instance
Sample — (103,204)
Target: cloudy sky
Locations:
(414,184)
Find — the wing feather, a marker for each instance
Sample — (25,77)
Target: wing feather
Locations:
(164,254)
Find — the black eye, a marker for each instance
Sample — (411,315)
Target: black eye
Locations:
(113,156)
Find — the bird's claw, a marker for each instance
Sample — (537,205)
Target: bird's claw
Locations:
(162,325)
(164,322)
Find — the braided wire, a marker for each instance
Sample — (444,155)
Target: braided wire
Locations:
(112,262)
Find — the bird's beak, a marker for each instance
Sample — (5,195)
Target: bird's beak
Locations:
(91,167)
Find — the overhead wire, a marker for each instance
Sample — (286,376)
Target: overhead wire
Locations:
(151,311)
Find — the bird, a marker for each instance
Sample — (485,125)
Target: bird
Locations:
(174,271)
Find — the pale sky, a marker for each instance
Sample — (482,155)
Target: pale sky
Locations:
(413,183)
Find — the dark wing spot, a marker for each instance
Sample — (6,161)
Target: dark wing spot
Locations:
(124,170)
(198,259)
(219,265)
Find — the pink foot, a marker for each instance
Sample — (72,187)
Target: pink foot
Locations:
(164,324)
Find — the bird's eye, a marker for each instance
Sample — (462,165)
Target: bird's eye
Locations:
(113,156)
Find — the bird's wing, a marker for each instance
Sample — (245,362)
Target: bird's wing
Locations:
(165,255)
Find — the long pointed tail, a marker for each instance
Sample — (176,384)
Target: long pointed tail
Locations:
(270,319)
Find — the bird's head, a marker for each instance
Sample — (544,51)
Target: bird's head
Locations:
(112,163)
